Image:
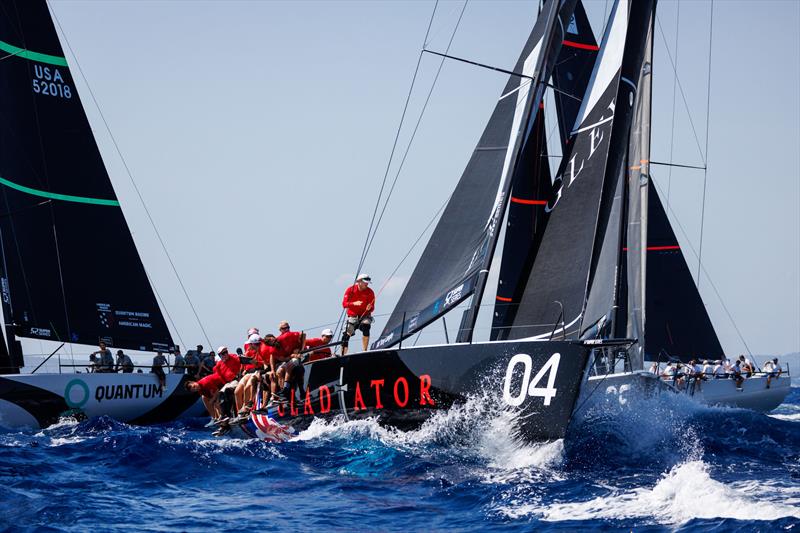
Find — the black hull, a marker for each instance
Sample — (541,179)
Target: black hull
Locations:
(404,387)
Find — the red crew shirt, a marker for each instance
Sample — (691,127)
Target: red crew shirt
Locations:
(316,355)
(228,368)
(288,342)
(353,294)
(224,372)
(258,353)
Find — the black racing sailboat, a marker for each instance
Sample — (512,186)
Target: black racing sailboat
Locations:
(591,281)
(70,271)
(537,378)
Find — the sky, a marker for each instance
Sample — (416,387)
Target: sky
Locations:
(259,134)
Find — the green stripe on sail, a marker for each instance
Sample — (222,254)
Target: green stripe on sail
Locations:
(55,196)
(33,56)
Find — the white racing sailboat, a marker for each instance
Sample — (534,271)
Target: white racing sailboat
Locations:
(70,271)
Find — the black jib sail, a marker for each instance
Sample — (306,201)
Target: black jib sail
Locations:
(71,271)
(531,188)
(455,262)
(585,185)
(677,321)
(530,192)
(573,70)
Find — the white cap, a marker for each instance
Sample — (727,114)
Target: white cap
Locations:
(255,338)
(327,332)
(222,349)
(364,277)
(252,331)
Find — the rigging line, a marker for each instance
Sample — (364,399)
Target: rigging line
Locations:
(708,127)
(396,140)
(391,156)
(680,86)
(422,234)
(414,133)
(475,63)
(133,182)
(659,163)
(674,99)
(164,307)
(708,276)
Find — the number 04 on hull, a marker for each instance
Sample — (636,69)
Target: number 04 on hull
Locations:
(538,381)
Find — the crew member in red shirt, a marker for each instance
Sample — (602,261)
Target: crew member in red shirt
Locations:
(324,339)
(225,371)
(258,353)
(285,359)
(359,301)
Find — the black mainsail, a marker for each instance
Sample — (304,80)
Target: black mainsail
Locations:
(573,70)
(558,282)
(525,225)
(70,269)
(677,321)
(455,262)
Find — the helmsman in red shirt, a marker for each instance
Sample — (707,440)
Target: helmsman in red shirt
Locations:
(359,301)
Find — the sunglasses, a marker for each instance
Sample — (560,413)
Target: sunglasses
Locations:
(283,328)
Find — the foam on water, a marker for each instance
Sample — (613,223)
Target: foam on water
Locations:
(686,492)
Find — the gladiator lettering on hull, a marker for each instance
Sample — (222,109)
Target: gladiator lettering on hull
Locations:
(528,386)
(376,394)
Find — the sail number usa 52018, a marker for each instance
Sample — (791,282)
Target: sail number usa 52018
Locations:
(50,82)
(515,391)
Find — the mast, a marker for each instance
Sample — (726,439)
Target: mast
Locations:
(638,185)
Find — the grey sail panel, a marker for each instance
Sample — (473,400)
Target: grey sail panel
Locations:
(678,324)
(602,297)
(638,187)
(456,259)
(556,289)
(573,70)
(71,271)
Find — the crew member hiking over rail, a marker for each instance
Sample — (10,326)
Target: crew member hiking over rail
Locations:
(359,301)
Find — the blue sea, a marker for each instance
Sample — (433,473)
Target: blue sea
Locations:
(671,465)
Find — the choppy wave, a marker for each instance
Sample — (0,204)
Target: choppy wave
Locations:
(656,463)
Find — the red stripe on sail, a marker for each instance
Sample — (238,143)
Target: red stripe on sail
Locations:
(504,299)
(582,46)
(528,202)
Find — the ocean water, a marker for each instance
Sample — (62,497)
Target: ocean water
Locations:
(666,465)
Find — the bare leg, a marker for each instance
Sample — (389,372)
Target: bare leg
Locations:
(365,342)
(239,393)
(209,407)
